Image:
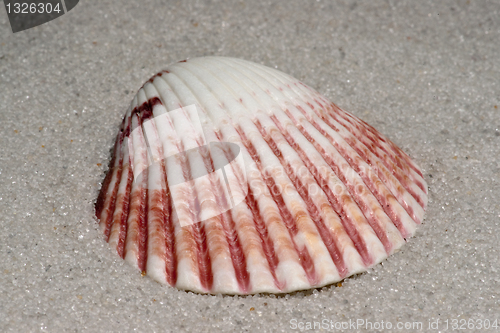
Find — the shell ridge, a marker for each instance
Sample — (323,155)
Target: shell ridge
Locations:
(398,169)
(234,249)
(268,246)
(369,149)
(135,242)
(159,245)
(312,93)
(382,143)
(122,217)
(360,166)
(262,274)
(286,216)
(201,82)
(373,185)
(246,82)
(313,212)
(164,247)
(118,239)
(203,256)
(120,213)
(303,253)
(257,74)
(352,234)
(298,97)
(170,239)
(197,229)
(197,234)
(167,228)
(227,223)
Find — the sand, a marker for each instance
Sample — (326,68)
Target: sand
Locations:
(425,74)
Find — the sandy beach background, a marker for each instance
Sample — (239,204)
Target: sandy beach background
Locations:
(424,73)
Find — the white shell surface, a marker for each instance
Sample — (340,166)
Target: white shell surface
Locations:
(231,177)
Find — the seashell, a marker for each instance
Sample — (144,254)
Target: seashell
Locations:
(231,177)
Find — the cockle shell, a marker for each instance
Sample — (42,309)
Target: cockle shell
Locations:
(231,177)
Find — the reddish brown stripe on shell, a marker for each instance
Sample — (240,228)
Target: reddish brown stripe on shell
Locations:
(362,141)
(125,203)
(203,256)
(383,199)
(398,168)
(325,109)
(170,256)
(354,164)
(369,133)
(109,217)
(267,243)
(302,189)
(144,112)
(154,101)
(137,230)
(237,255)
(156,224)
(260,226)
(347,222)
(374,223)
(197,229)
(305,258)
(160,208)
